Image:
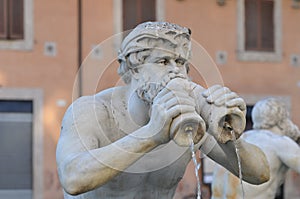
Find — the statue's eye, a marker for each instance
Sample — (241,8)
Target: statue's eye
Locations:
(163,61)
(180,62)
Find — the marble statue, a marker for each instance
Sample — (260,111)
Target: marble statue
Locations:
(276,135)
(131,141)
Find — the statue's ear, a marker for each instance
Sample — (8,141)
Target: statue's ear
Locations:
(133,63)
(135,73)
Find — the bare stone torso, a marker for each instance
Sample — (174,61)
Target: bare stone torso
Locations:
(154,175)
(263,191)
(277,169)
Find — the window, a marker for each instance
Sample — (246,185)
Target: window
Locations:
(21,144)
(16,24)
(249,122)
(16,149)
(137,11)
(259,25)
(11,19)
(259,30)
(126,17)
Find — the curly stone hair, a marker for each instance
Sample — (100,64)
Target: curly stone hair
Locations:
(137,46)
(272,112)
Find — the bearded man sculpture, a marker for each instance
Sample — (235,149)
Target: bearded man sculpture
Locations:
(129,141)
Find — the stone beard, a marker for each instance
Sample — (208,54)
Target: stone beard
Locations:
(149,90)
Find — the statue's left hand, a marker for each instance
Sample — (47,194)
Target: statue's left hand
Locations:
(223,96)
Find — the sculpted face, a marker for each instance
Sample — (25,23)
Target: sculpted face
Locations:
(158,69)
(153,36)
(271,112)
(170,48)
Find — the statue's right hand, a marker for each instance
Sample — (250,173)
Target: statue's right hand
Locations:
(167,105)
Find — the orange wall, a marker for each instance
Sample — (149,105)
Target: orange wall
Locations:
(54,21)
(213,26)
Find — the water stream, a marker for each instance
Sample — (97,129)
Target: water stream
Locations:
(239,163)
(196,164)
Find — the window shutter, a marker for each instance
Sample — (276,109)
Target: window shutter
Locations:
(147,10)
(3,19)
(259,25)
(16,19)
(137,11)
(267,25)
(251,24)
(130,14)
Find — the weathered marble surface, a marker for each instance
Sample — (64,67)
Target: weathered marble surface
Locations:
(119,143)
(276,135)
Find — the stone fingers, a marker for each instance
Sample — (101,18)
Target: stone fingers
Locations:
(236,102)
(173,97)
(174,102)
(179,101)
(211,90)
(219,96)
(176,110)
(223,99)
(217,93)
(162,98)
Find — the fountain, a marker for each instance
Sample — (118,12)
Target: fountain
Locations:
(115,144)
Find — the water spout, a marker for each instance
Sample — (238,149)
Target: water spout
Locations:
(239,162)
(197,165)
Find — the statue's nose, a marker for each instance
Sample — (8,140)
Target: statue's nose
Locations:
(172,67)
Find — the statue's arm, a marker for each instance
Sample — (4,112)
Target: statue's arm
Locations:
(225,153)
(288,152)
(83,163)
(254,164)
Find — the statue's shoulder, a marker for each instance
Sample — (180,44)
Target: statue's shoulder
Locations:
(262,137)
(99,104)
(114,93)
(102,98)
(257,133)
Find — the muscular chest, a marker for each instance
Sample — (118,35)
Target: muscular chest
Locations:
(153,171)
(119,124)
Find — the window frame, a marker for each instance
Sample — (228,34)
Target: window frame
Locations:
(118,18)
(36,96)
(257,17)
(27,42)
(142,10)
(245,55)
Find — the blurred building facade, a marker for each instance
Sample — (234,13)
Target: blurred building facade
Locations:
(254,43)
